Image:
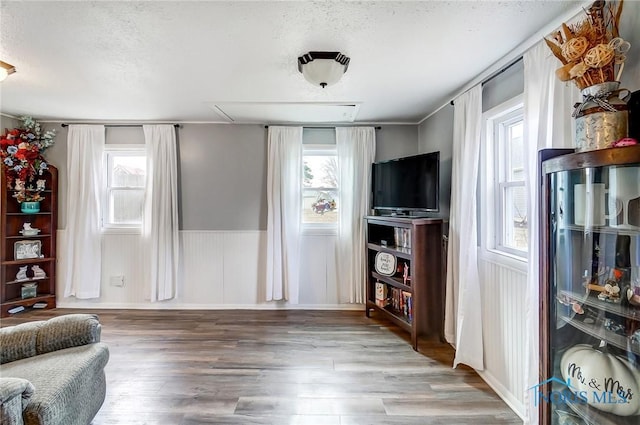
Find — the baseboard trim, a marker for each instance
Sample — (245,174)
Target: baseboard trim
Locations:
(182,306)
(503,393)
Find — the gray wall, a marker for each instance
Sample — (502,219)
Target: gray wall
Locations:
(7,123)
(503,86)
(222,168)
(395,141)
(436,134)
(223,171)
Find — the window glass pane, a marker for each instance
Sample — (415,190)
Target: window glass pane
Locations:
(320,171)
(126,206)
(319,206)
(128,171)
(515,232)
(515,149)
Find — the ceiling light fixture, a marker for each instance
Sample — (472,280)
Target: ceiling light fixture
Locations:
(323,68)
(6,70)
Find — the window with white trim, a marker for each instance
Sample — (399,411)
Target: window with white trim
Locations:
(506,217)
(126,173)
(320,188)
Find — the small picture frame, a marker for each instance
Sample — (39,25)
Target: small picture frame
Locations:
(385,264)
(23,250)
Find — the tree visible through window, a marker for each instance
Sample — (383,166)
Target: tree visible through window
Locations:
(320,187)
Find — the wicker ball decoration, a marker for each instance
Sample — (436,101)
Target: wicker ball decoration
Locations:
(599,56)
(578,70)
(620,47)
(574,48)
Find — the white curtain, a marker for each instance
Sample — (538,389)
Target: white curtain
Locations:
(82,253)
(284,213)
(356,152)
(463,310)
(160,220)
(548,104)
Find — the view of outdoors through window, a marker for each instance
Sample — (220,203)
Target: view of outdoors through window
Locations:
(512,189)
(320,189)
(125,191)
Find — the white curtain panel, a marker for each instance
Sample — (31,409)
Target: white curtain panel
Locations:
(356,152)
(463,310)
(548,104)
(82,254)
(160,219)
(284,213)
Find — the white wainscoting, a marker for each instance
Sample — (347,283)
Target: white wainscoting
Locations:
(219,269)
(504,318)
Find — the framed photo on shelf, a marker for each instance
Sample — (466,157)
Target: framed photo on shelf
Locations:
(23,250)
(385,264)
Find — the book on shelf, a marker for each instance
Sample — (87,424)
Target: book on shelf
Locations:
(407,305)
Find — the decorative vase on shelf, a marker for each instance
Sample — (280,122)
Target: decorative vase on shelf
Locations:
(602,117)
(30,207)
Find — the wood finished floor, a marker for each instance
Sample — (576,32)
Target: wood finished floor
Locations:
(280,368)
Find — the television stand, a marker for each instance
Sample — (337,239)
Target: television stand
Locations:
(405,284)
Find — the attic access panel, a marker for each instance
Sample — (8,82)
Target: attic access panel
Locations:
(304,112)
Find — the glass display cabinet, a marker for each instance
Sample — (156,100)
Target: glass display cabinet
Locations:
(590,288)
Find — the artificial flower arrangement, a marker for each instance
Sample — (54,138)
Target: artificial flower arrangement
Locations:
(591,51)
(21,154)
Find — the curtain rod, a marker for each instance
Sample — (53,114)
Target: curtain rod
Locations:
(323,128)
(116,125)
(499,72)
(519,50)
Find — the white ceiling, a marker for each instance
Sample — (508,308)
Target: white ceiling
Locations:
(175,61)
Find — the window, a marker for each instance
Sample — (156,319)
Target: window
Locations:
(126,170)
(320,185)
(505,193)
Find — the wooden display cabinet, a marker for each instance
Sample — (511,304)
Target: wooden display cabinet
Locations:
(11,223)
(413,300)
(590,288)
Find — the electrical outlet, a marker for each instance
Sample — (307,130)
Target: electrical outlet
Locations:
(116,281)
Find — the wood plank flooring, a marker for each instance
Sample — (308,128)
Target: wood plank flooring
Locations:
(279,367)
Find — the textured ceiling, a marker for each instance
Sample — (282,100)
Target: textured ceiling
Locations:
(170,61)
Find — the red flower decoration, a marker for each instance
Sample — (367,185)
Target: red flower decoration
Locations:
(20,155)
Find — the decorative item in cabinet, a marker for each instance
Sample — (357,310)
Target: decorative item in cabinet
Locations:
(404,282)
(28,247)
(590,289)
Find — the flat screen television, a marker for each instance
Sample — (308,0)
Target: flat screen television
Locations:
(408,184)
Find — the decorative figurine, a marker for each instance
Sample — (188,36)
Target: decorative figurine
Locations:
(614,326)
(405,274)
(27,230)
(633,295)
(22,273)
(611,291)
(38,273)
(29,290)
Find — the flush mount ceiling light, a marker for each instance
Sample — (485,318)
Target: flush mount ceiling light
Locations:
(323,68)
(6,70)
